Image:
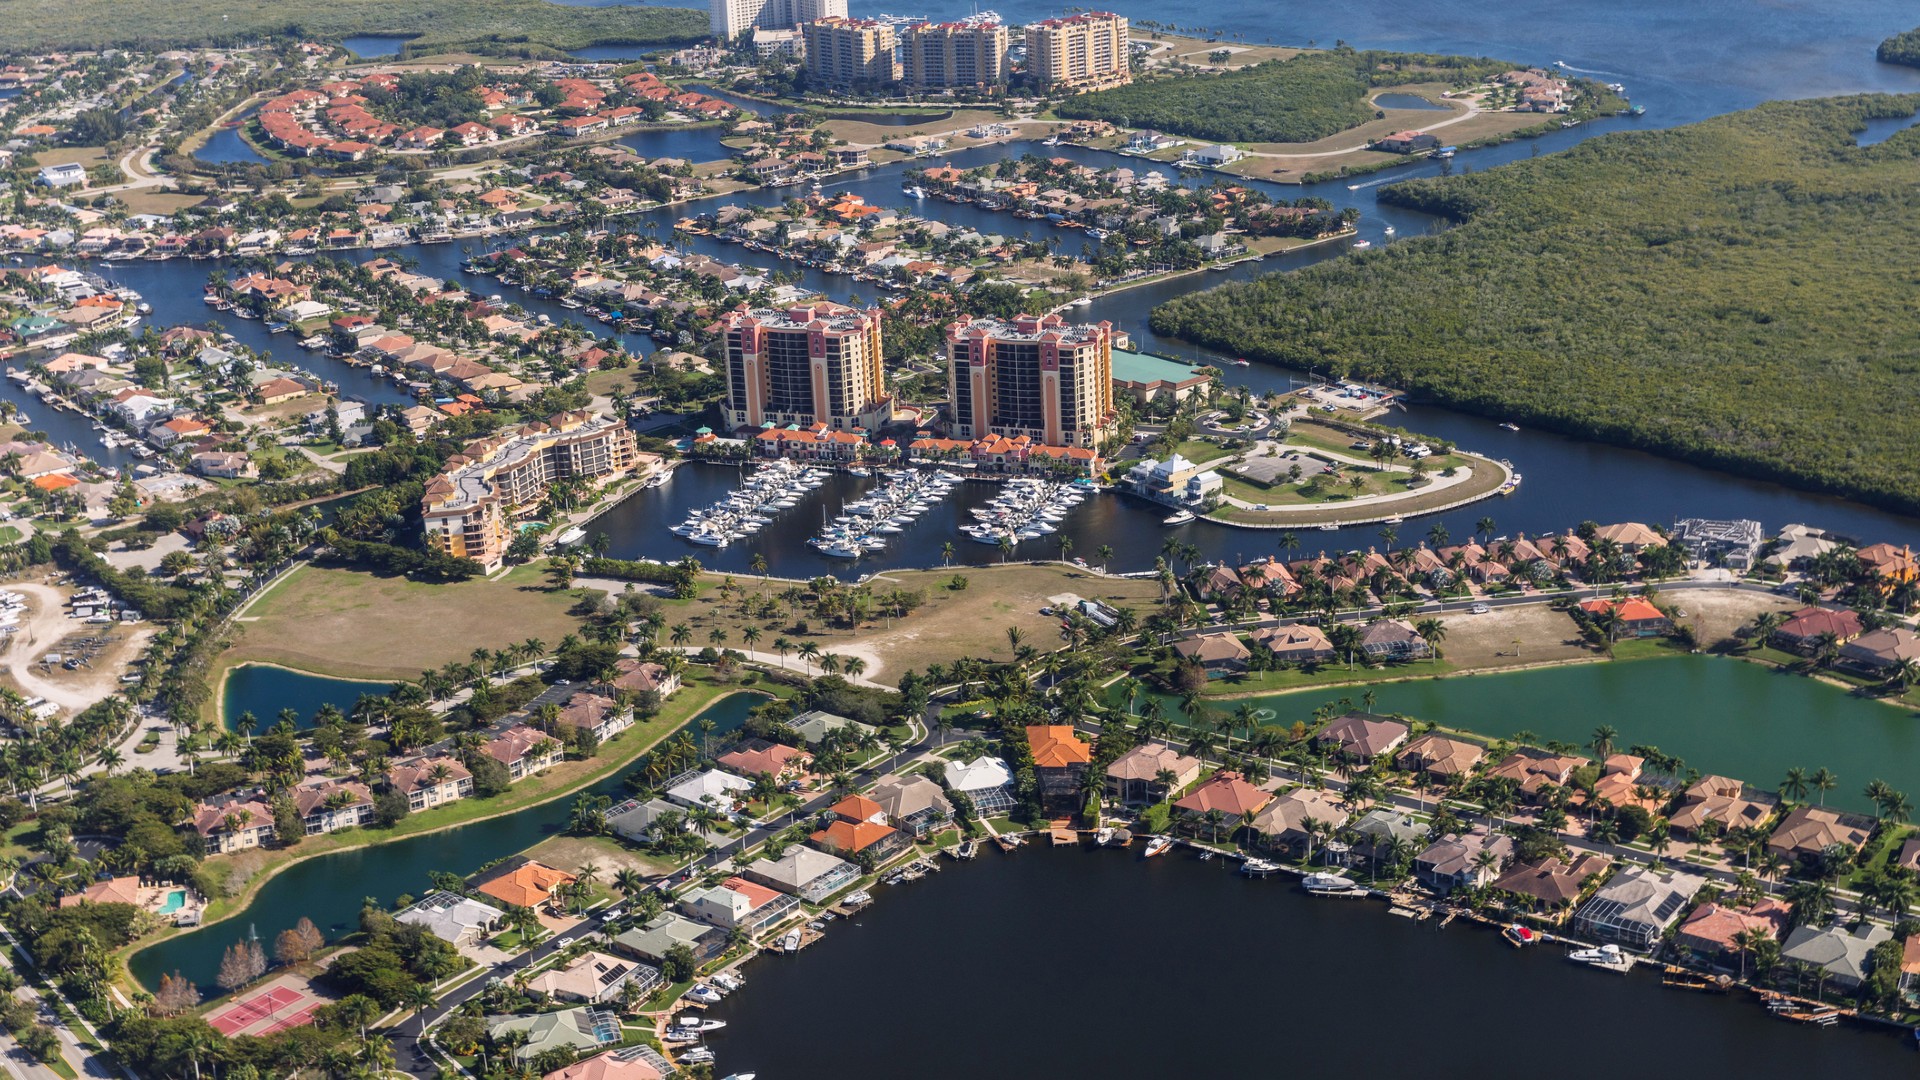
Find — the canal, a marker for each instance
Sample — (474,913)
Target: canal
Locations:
(329,889)
(1071,963)
(266,689)
(1728,717)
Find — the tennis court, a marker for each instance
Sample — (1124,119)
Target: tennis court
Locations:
(286,1002)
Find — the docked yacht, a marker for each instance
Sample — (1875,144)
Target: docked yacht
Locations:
(1157,845)
(1181,517)
(1324,882)
(1605,957)
(704,994)
(1258,867)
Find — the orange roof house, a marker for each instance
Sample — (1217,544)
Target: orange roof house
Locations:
(55,482)
(1226,792)
(524,884)
(1057,746)
(1637,615)
(851,838)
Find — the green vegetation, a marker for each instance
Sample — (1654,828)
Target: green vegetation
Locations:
(1901,49)
(531,27)
(1697,291)
(1309,97)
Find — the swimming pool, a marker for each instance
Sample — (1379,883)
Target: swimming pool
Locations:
(176,900)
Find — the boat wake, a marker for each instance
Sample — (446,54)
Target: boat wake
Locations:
(1564,66)
(1375,183)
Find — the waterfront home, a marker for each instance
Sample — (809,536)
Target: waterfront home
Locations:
(859,827)
(738,902)
(1135,777)
(587,711)
(521,882)
(1637,616)
(1361,737)
(1714,929)
(429,781)
(1380,827)
(230,823)
(756,757)
(913,804)
(1299,643)
(1806,833)
(1175,481)
(713,788)
(1550,884)
(1891,565)
(1226,791)
(1286,821)
(628,1063)
(1456,860)
(1839,956)
(329,805)
(1630,537)
(1636,906)
(1406,142)
(1719,799)
(592,977)
(524,751)
(1220,654)
(1619,785)
(1806,630)
(455,919)
(1439,757)
(1535,769)
(117,890)
(814,725)
(1060,758)
(803,872)
(224,465)
(642,676)
(640,821)
(986,781)
(1877,652)
(1731,543)
(569,1030)
(1392,639)
(652,940)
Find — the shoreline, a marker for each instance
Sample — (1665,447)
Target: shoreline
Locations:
(219,698)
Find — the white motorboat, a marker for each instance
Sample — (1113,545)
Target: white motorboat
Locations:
(858,899)
(727,980)
(1605,957)
(1178,518)
(1323,882)
(1104,836)
(692,1022)
(699,1055)
(790,941)
(679,1035)
(1258,867)
(1157,845)
(741,1076)
(704,994)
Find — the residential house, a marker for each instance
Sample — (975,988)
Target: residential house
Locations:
(571,1030)
(1289,820)
(814,725)
(1361,737)
(225,465)
(1877,653)
(913,804)
(521,882)
(1135,777)
(754,757)
(1806,630)
(1406,142)
(629,1063)
(739,902)
(330,805)
(1534,770)
(230,823)
(455,919)
(524,751)
(1808,831)
(429,781)
(592,977)
(1891,565)
(1619,785)
(117,890)
(1551,884)
(1379,829)
(167,433)
(1225,791)
(1392,639)
(1719,799)
(1220,654)
(642,676)
(1631,537)
(1460,860)
(652,940)
(1298,643)
(811,875)
(1637,617)
(859,826)
(640,821)
(712,788)
(1839,956)
(1440,757)
(587,711)
(985,781)
(1637,905)
(1715,929)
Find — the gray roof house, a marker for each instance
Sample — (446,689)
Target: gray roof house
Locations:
(804,872)
(1453,860)
(1842,955)
(458,920)
(635,820)
(570,1029)
(813,725)
(913,804)
(1637,905)
(1379,825)
(651,941)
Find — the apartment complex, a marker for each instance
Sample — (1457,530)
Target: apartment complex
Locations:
(1079,52)
(956,54)
(809,364)
(1035,376)
(467,511)
(730,18)
(850,52)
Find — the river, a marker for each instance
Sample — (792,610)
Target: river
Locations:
(1070,963)
(329,889)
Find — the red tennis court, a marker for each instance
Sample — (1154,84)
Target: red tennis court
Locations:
(280,1005)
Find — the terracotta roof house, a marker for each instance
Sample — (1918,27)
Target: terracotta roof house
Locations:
(756,756)
(1440,757)
(1226,791)
(1284,820)
(1299,643)
(1877,652)
(522,882)
(1392,639)
(1550,882)
(523,750)
(251,823)
(588,711)
(1638,617)
(1841,955)
(1059,757)
(1636,907)
(642,676)
(1535,769)
(612,1065)
(1619,784)
(1454,861)
(848,839)
(1804,629)
(738,902)
(1134,777)
(1220,654)
(1808,831)
(329,805)
(1888,563)
(1713,928)
(1720,799)
(119,890)
(1630,536)
(1361,736)
(430,781)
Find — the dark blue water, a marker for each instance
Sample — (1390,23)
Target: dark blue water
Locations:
(264,690)
(689,143)
(329,889)
(1406,101)
(225,146)
(1879,131)
(373,46)
(612,54)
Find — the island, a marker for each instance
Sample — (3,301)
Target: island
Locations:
(1900,49)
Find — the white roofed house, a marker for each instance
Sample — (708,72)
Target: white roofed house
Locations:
(457,920)
(713,788)
(986,781)
(808,873)
(592,977)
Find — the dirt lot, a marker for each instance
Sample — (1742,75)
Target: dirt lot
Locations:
(1168,47)
(1536,634)
(865,134)
(47,626)
(353,624)
(570,853)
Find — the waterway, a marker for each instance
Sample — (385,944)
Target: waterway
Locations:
(1729,717)
(329,889)
(1062,962)
(265,689)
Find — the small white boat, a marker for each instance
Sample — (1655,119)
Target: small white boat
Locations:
(704,994)
(1605,957)
(1326,883)
(1389,230)
(1156,846)
(679,1035)
(1358,244)
(741,1076)
(699,1055)
(1258,867)
(1180,518)
(728,981)
(790,941)
(691,1022)
(1511,426)
(859,471)
(1104,836)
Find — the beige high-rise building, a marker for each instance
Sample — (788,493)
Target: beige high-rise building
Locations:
(1079,52)
(962,54)
(1041,377)
(810,364)
(850,52)
(728,19)
(467,511)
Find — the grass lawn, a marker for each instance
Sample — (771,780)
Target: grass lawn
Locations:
(570,853)
(84,156)
(1200,451)
(358,625)
(1261,682)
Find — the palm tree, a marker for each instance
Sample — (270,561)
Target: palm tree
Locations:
(1434,631)
(1823,782)
(1484,527)
(946,553)
(809,652)
(751,635)
(782,646)
(1602,742)
(1795,785)
(629,882)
